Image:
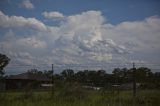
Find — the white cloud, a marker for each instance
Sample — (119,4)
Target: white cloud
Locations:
(102,57)
(25,55)
(25,61)
(10,35)
(83,29)
(82,38)
(27,4)
(19,21)
(141,35)
(31,42)
(51,15)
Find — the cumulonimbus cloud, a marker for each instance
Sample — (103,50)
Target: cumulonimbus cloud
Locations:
(81,38)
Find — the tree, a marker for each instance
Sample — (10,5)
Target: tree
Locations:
(116,74)
(4,60)
(35,71)
(48,73)
(143,74)
(68,74)
(80,77)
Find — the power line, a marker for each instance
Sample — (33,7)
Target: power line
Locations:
(87,66)
(19,66)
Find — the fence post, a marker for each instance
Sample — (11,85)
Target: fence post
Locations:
(134,81)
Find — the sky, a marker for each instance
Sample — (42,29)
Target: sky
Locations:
(80,34)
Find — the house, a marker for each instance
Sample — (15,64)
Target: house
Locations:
(92,87)
(27,80)
(129,86)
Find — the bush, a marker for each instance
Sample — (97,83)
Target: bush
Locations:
(71,92)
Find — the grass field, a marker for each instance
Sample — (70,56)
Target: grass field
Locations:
(79,97)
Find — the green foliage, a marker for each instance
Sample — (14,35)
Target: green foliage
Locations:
(94,98)
(69,91)
(37,72)
(71,94)
(99,78)
(4,60)
(68,74)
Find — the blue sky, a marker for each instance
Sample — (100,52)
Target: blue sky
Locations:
(113,32)
(115,11)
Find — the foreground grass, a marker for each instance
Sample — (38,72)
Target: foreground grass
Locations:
(80,98)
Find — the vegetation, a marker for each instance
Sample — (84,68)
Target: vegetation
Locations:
(73,89)
(100,78)
(144,77)
(80,97)
(4,60)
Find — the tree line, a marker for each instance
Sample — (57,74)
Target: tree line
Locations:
(98,78)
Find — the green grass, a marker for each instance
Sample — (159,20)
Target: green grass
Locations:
(80,97)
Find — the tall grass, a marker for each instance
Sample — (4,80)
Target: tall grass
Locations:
(77,96)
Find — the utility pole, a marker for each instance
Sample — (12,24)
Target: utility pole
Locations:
(134,81)
(52,80)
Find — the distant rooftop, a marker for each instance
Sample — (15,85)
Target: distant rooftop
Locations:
(29,76)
